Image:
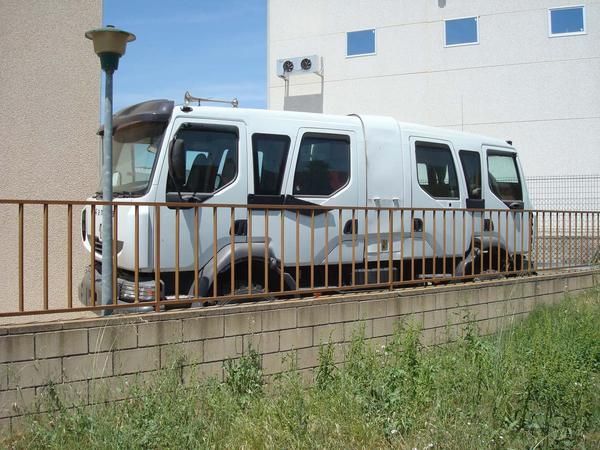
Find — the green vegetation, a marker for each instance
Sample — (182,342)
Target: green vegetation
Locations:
(532,386)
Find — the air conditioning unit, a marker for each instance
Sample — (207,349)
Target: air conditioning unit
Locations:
(300,65)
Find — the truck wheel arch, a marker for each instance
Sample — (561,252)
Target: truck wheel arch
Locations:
(242,252)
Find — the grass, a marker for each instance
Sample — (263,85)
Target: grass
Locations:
(535,385)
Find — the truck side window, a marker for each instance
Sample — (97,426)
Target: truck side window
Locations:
(471,164)
(269,156)
(436,173)
(503,176)
(323,165)
(211,158)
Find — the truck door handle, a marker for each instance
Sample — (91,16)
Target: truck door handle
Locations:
(417,225)
(240,227)
(348,226)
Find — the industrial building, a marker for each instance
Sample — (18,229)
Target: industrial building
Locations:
(521,70)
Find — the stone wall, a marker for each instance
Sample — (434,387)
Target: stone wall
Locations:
(91,360)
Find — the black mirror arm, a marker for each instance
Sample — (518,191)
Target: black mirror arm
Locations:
(516,205)
(177,187)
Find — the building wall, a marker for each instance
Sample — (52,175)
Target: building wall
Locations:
(49,114)
(91,361)
(517,83)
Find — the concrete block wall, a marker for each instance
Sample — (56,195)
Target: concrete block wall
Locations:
(91,360)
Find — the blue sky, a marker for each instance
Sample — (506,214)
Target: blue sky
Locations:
(213,48)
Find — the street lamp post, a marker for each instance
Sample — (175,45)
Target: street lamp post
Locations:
(109,45)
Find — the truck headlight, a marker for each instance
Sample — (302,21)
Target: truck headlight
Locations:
(146,291)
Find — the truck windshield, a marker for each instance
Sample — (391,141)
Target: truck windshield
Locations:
(135,148)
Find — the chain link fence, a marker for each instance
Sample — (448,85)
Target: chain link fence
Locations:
(565,192)
(563,235)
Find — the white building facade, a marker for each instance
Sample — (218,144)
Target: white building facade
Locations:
(521,70)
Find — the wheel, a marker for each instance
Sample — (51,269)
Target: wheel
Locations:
(241,289)
(490,271)
(241,286)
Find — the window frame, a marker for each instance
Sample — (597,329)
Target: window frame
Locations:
(513,156)
(460,157)
(283,165)
(573,33)
(462,44)
(438,146)
(358,55)
(193,126)
(340,136)
(159,151)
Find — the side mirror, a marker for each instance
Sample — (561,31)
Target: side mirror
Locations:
(177,162)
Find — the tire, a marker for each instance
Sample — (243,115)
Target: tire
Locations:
(490,272)
(241,286)
(242,289)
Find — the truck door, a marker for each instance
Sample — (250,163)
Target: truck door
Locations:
(481,223)
(216,174)
(505,182)
(268,163)
(325,171)
(436,185)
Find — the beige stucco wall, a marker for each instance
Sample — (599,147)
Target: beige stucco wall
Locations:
(49,111)
(517,83)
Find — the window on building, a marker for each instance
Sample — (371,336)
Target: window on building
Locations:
(461,31)
(323,165)
(566,21)
(436,173)
(211,158)
(503,176)
(471,164)
(360,43)
(269,155)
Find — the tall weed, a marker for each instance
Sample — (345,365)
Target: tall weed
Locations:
(534,385)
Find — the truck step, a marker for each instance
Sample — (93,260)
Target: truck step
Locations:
(369,276)
(430,276)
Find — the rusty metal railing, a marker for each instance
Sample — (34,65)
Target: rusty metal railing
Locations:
(173,255)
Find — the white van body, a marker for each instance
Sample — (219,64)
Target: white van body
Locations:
(248,157)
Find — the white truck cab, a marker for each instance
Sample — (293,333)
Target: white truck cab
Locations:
(416,179)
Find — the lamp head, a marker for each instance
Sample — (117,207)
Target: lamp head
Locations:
(109,45)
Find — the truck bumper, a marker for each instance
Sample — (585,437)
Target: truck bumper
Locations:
(125,294)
